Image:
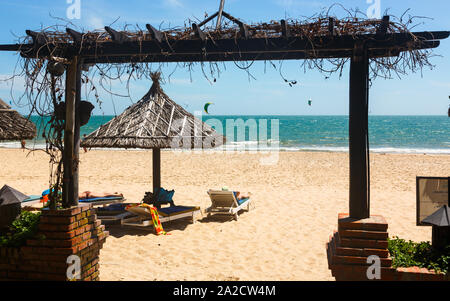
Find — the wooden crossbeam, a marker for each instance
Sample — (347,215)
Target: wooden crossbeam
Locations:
(208,19)
(231,49)
(215,57)
(116,35)
(128,54)
(155,34)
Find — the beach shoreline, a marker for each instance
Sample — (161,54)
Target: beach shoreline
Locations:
(296,202)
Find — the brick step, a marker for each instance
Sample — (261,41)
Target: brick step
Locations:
(377,235)
(359,273)
(363,243)
(361,252)
(374,223)
(361,261)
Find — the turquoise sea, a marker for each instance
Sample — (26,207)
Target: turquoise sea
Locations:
(389,134)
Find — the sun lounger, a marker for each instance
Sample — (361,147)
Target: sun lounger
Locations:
(31,200)
(225,202)
(144,217)
(113,214)
(103,200)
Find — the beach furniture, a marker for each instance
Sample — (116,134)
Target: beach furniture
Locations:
(106,210)
(166,214)
(225,202)
(113,213)
(144,217)
(103,200)
(32,200)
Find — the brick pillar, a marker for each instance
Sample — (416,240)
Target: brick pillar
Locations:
(62,233)
(356,240)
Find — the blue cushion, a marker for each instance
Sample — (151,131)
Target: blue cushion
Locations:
(240,202)
(165,196)
(174,209)
(106,198)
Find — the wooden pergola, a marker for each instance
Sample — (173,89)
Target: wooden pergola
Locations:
(199,47)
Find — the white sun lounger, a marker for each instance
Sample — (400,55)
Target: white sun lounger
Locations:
(224,202)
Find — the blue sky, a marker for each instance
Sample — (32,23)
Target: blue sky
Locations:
(234,92)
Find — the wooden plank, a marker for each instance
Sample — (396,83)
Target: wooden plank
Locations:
(331,25)
(76,36)
(198,32)
(156,34)
(382,29)
(116,35)
(38,37)
(285,29)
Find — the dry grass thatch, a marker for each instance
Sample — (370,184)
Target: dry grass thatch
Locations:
(14,126)
(155,121)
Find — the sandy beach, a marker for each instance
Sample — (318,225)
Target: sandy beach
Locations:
(294,211)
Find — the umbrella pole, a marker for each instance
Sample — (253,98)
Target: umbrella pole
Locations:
(156,152)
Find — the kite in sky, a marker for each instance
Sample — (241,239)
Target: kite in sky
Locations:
(207,106)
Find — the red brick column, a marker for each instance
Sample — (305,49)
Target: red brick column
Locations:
(62,233)
(356,240)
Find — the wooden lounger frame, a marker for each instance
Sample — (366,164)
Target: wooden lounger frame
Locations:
(146,221)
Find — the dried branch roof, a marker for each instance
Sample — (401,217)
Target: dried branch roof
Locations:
(155,121)
(322,37)
(14,126)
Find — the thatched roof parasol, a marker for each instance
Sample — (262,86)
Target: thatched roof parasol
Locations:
(155,121)
(14,126)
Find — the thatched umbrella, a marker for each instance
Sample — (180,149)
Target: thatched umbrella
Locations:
(154,122)
(14,126)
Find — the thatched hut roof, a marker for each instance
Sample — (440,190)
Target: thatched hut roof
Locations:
(155,121)
(14,126)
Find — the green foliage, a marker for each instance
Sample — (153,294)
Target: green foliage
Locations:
(408,253)
(23,228)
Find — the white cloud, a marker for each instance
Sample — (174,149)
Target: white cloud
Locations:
(95,22)
(298,3)
(173,3)
(440,84)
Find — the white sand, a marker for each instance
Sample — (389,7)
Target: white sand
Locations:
(296,203)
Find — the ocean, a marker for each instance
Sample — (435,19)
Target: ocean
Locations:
(387,134)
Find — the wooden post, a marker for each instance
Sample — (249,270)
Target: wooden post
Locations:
(358,133)
(71,88)
(219,15)
(156,169)
(73,187)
